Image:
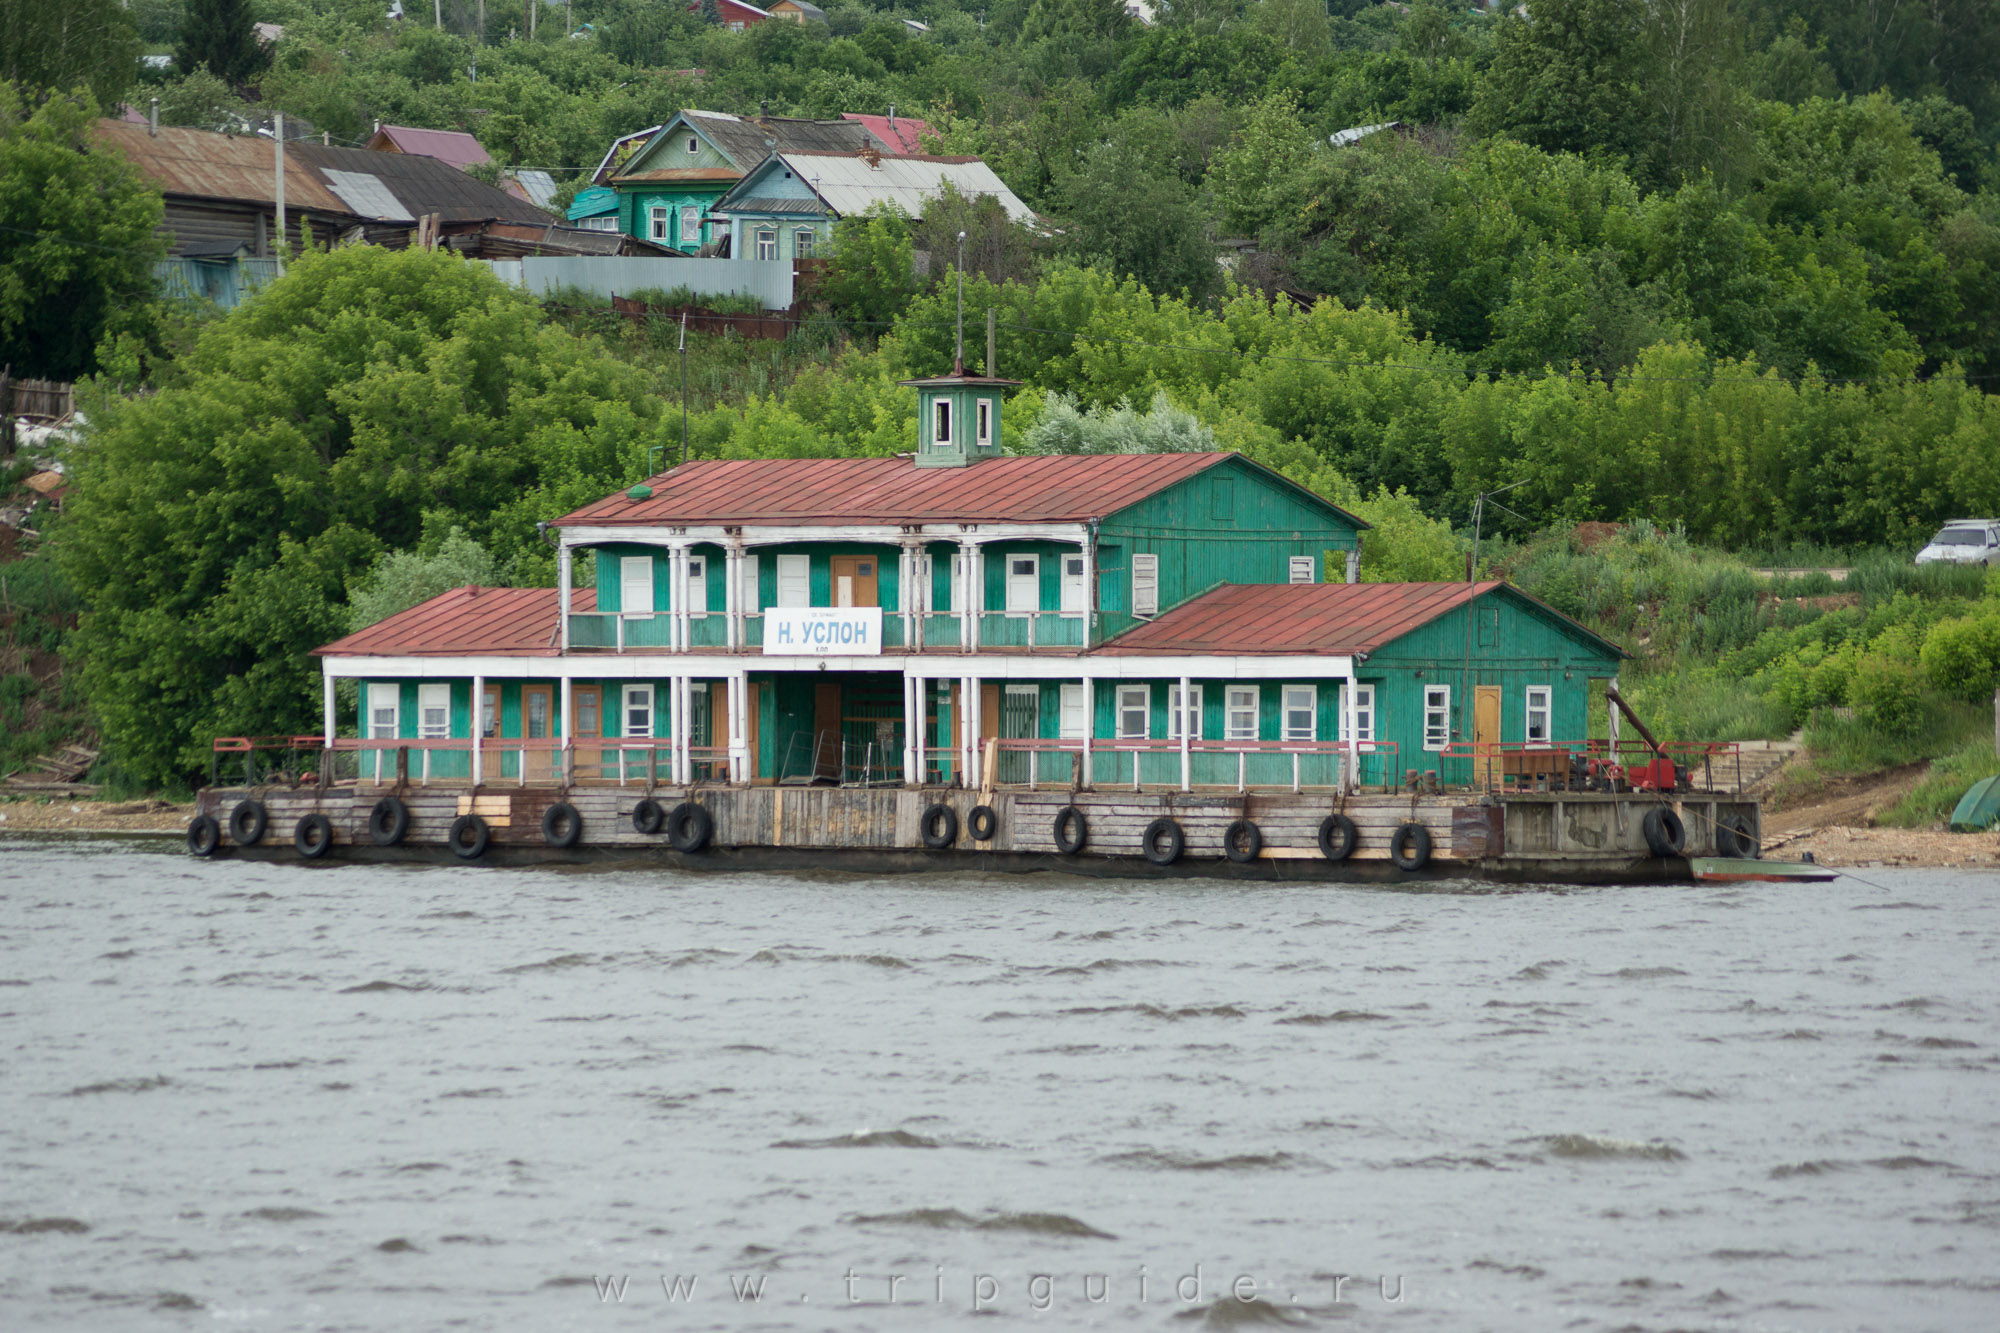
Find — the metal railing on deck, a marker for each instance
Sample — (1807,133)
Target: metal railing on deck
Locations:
(1233,765)
(1037,629)
(503,761)
(1587,765)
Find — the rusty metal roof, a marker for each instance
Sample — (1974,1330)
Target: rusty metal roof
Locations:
(454,147)
(680,176)
(198,164)
(1311,618)
(899,134)
(467,622)
(832,491)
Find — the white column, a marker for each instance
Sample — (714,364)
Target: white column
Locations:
(739,727)
(909,731)
(676,728)
(478,730)
(326,704)
(732,597)
(975,591)
(563,580)
(973,721)
(1089,692)
(1350,721)
(1181,712)
(1611,716)
(566,756)
(681,627)
(1089,587)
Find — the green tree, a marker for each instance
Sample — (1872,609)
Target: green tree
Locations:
(371,400)
(1568,79)
(73,44)
(1139,222)
(871,276)
(220,36)
(402,579)
(77,239)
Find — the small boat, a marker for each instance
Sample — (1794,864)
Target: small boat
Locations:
(1730,869)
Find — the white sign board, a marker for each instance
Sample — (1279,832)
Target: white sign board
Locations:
(823,631)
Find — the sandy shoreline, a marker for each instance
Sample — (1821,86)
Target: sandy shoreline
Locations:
(1787,834)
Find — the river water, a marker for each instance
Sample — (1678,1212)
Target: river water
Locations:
(278,1097)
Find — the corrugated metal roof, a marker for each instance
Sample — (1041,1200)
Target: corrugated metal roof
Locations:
(805,208)
(453,147)
(832,491)
(851,182)
(366,196)
(746,141)
(220,166)
(467,622)
(201,165)
(1324,618)
(898,134)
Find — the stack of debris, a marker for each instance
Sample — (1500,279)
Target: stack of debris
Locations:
(56,774)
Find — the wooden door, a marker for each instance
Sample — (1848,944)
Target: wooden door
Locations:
(1486,731)
(856,579)
(537,712)
(587,702)
(826,728)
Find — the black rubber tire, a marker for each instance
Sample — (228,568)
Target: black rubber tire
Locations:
(204,835)
(247,823)
(562,826)
(1338,837)
(388,822)
(1069,844)
(982,822)
(1665,834)
(312,836)
(1733,838)
(648,817)
(1242,841)
(1163,842)
(939,826)
(468,837)
(690,827)
(1410,847)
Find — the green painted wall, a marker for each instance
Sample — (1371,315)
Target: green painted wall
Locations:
(1233,523)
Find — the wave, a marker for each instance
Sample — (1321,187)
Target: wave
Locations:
(1153,1159)
(951,1219)
(39,1226)
(1228,1312)
(1594,1146)
(1158,1011)
(556,964)
(283,1214)
(371,987)
(1647,973)
(864,1138)
(1337,1016)
(121,1085)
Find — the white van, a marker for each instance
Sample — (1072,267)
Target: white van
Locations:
(1964,541)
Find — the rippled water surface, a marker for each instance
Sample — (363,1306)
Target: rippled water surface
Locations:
(266,1096)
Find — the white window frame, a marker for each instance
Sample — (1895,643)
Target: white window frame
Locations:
(1032,587)
(1134,700)
(697,566)
(1072,585)
(1302,569)
(1437,718)
(1240,706)
(627,566)
(1145,584)
(1364,715)
(377,729)
(690,225)
(1288,705)
(1540,716)
(767,239)
(606,223)
(657,221)
(941,422)
(803,241)
(434,696)
(748,594)
(983,418)
(632,699)
(694,145)
(794,580)
(1072,711)
(1174,712)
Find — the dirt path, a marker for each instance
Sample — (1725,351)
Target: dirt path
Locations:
(1836,824)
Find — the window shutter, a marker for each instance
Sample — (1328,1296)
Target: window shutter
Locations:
(1145,585)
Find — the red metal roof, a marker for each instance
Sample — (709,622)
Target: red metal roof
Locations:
(1333,619)
(461,150)
(467,622)
(899,135)
(1065,488)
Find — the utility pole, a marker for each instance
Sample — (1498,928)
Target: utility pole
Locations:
(1471,575)
(958,352)
(278,157)
(437,8)
(684,386)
